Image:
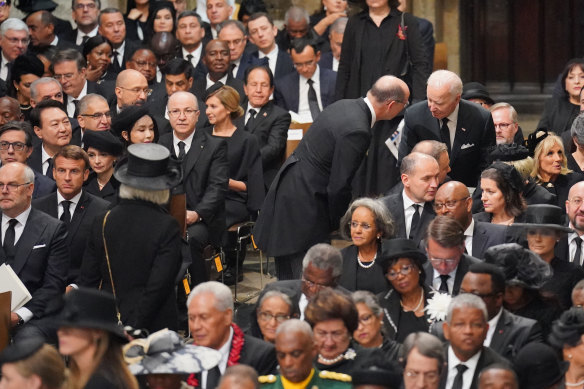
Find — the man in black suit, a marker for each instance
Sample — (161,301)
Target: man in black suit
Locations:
(315,182)
(466,128)
(268,122)
(205,176)
(309,89)
(131,89)
(447,263)
(70,204)
(113,28)
(85,14)
(210,307)
(412,208)
(216,59)
(193,40)
(330,59)
(144,60)
(14,42)
(41,25)
(453,199)
(9,110)
(507,332)
(262,33)
(94,115)
(16,146)
(466,329)
(570,246)
(234,33)
(34,245)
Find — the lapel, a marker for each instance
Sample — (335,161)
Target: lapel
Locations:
(293,92)
(480,364)
(427,215)
(194,153)
(478,240)
(461,270)
(260,117)
(462,133)
(32,231)
(78,214)
(400,218)
(497,342)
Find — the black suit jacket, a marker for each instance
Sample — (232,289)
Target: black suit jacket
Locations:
(475,135)
(287,88)
(247,60)
(43,185)
(35,161)
(41,260)
(488,357)
(270,127)
(284,63)
(129,49)
(395,205)
(199,88)
(512,333)
(87,209)
(205,179)
(461,270)
(326,60)
(486,235)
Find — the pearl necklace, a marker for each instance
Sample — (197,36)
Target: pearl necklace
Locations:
(417,306)
(331,361)
(366,266)
(580,383)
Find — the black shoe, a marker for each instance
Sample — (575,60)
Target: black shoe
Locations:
(229,277)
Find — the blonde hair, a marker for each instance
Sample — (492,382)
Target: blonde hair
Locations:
(47,364)
(542,148)
(523,166)
(159,197)
(229,98)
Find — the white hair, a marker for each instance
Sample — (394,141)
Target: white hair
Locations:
(466,300)
(295,325)
(445,77)
(13,24)
(159,197)
(222,293)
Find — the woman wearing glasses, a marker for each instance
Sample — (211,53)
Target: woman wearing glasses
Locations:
(273,309)
(403,304)
(366,223)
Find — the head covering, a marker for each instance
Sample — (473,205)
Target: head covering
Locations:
(568,329)
(534,138)
(509,152)
(36,5)
(377,371)
(521,266)
(544,216)
(27,64)
(538,366)
(401,248)
(103,141)
(510,175)
(476,90)
(148,168)
(163,352)
(21,350)
(90,308)
(125,120)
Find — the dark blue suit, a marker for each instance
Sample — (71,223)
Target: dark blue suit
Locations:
(43,185)
(284,63)
(247,60)
(287,89)
(326,60)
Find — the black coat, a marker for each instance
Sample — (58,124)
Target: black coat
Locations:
(313,188)
(475,135)
(395,205)
(561,187)
(284,63)
(144,245)
(488,357)
(558,115)
(512,333)
(532,193)
(199,88)
(377,282)
(43,185)
(486,235)
(461,270)
(87,210)
(286,93)
(392,310)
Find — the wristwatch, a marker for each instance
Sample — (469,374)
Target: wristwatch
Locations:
(20,321)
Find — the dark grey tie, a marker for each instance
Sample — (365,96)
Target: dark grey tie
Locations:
(444,283)
(76,105)
(213,377)
(181,149)
(415,225)
(66,215)
(252,113)
(312,100)
(9,238)
(457,384)
(50,169)
(190,59)
(84,39)
(578,254)
(445,133)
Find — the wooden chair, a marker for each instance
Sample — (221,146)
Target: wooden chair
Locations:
(440,56)
(294,136)
(5,301)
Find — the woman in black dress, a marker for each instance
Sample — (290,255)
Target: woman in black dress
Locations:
(366,223)
(103,149)
(26,69)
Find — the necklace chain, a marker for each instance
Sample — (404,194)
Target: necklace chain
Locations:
(417,306)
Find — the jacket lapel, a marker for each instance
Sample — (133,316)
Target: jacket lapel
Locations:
(478,241)
(32,231)
(500,332)
(192,156)
(78,214)
(462,133)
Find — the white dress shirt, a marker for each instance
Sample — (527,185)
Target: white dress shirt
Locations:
(468,235)
(572,247)
(335,64)
(222,365)
(195,53)
(187,141)
(4,68)
(436,280)
(45,158)
(302,303)
(452,120)
(272,58)
(81,34)
(71,104)
(120,56)
(55,41)
(303,88)
(373,115)
(235,65)
(453,361)
(72,207)
(409,211)
(210,82)
(492,325)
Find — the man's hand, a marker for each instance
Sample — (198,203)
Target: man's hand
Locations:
(14,318)
(192,217)
(69,289)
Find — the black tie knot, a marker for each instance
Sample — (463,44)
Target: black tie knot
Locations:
(461,368)
(252,113)
(66,215)
(310,82)
(181,149)
(444,283)
(12,223)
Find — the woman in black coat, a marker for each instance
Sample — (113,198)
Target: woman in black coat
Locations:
(375,44)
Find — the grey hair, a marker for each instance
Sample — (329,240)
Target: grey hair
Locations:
(231,22)
(445,77)
(427,344)
(295,325)
(369,299)
(183,93)
(508,106)
(109,10)
(276,293)
(408,164)
(577,130)
(466,300)
(87,100)
(222,293)
(28,174)
(13,24)
(579,285)
(338,27)
(432,148)
(324,256)
(241,373)
(383,220)
(297,14)
(384,90)
(40,81)
(159,197)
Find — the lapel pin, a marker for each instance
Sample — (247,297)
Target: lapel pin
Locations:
(265,114)
(463,129)
(500,331)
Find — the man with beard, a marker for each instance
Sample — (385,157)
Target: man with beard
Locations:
(131,89)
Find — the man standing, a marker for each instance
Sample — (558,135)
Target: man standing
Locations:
(233,32)
(191,35)
(113,28)
(268,122)
(13,42)
(84,13)
(466,128)
(315,182)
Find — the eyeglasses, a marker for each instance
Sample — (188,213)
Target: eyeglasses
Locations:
(481,295)
(267,316)
(337,336)
(67,76)
(98,115)
(450,204)
(12,187)
(405,103)
(503,126)
(17,146)
(187,112)
(430,376)
(366,319)
(83,6)
(576,201)
(440,261)
(146,91)
(312,285)
(405,270)
(15,41)
(364,226)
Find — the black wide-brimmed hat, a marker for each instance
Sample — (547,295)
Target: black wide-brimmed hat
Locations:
(521,266)
(21,350)
(90,308)
(148,168)
(538,367)
(508,153)
(103,141)
(544,216)
(377,371)
(476,90)
(401,248)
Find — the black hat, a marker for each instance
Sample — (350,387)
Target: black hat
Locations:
(509,152)
(27,64)
(401,248)
(90,308)
(476,90)
(377,371)
(520,265)
(538,366)
(21,350)
(103,141)
(568,329)
(534,138)
(125,120)
(148,167)
(510,175)
(31,6)
(544,216)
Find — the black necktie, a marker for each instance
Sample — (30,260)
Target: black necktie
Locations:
(115,64)
(9,238)
(457,384)
(444,283)
(312,100)
(190,59)
(76,111)
(50,169)
(445,133)
(84,39)
(415,221)
(66,215)
(578,255)
(232,68)
(181,150)
(213,377)
(252,113)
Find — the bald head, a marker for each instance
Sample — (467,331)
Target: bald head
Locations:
(453,200)
(389,95)
(163,45)
(187,97)
(439,152)
(9,110)
(575,207)
(131,88)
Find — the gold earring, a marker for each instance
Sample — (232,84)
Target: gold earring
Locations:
(569,356)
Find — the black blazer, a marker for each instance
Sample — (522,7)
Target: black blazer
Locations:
(286,91)
(43,185)
(35,160)
(486,235)
(129,49)
(79,229)
(284,63)
(42,260)
(461,270)
(326,60)
(558,115)
(488,357)
(390,302)
(270,127)
(395,205)
(475,135)
(512,333)
(247,60)
(199,88)
(377,282)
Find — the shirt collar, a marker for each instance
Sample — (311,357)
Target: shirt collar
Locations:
(81,94)
(271,54)
(55,41)
(315,77)
(470,229)
(453,117)
(187,141)
(195,53)
(74,200)
(44,154)
(370,106)
(471,363)
(222,80)
(409,202)
(22,218)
